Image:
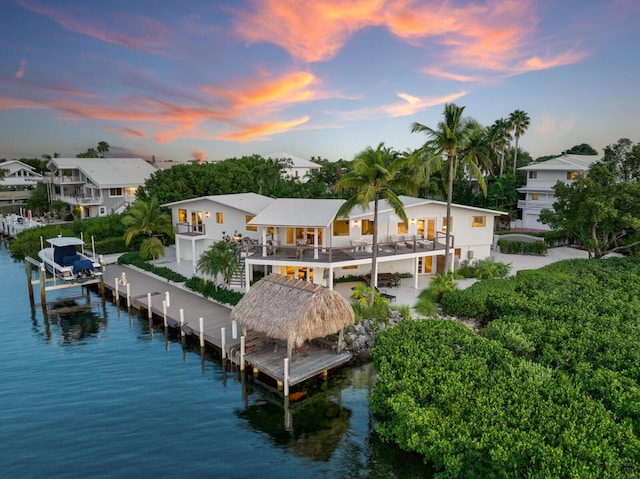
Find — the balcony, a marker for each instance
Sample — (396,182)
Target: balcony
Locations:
(284,254)
(188,229)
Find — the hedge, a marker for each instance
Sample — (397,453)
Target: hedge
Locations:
(538,248)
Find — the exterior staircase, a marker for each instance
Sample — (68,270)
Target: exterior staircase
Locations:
(238,280)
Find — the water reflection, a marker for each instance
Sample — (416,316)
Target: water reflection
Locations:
(74,321)
(313,428)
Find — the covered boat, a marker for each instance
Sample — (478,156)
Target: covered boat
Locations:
(64,261)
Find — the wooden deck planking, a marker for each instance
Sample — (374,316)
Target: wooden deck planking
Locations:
(301,368)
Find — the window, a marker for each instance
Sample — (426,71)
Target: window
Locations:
(113,192)
(571,175)
(249,227)
(219,218)
(182,216)
(444,223)
(478,221)
(535,196)
(533,175)
(102,211)
(403,228)
(367,227)
(341,228)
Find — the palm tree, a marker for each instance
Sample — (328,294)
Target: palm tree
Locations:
(103,147)
(151,248)
(375,174)
(220,258)
(146,218)
(450,143)
(500,135)
(519,123)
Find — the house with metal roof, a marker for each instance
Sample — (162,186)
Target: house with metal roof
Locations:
(18,182)
(538,193)
(298,167)
(306,239)
(98,186)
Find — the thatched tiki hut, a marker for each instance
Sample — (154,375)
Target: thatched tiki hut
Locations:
(293,310)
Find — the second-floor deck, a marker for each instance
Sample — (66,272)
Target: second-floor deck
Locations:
(303,254)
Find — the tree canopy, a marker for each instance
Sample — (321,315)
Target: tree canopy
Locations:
(596,210)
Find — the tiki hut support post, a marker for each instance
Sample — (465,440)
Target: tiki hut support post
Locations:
(340,341)
(242,345)
(286,376)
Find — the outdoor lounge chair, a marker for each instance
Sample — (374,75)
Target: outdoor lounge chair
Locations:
(389,297)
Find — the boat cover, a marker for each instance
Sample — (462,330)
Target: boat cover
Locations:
(83,264)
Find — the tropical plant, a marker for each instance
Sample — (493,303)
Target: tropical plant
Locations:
(425,304)
(146,218)
(362,295)
(220,258)
(500,136)
(597,210)
(442,284)
(375,174)
(102,148)
(151,248)
(450,144)
(519,123)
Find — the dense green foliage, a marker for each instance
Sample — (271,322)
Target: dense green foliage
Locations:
(28,242)
(135,260)
(602,213)
(551,389)
(483,269)
(473,409)
(538,248)
(209,290)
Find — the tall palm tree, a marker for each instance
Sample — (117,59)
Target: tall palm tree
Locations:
(500,134)
(519,123)
(103,147)
(375,174)
(146,218)
(449,144)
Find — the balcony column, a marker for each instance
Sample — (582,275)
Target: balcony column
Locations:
(315,243)
(178,241)
(264,240)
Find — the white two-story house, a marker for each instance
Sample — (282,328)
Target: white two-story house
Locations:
(98,186)
(18,182)
(299,168)
(306,238)
(541,178)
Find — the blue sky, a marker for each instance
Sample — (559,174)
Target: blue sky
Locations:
(217,79)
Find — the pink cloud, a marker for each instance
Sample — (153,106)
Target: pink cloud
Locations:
(134,32)
(20,72)
(449,75)
(130,132)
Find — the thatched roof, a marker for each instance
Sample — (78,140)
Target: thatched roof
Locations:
(292,310)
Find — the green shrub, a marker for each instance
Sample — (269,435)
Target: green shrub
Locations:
(134,259)
(209,290)
(538,248)
(473,409)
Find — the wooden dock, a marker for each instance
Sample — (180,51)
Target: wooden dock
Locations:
(209,321)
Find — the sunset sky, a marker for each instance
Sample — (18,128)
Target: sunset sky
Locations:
(222,78)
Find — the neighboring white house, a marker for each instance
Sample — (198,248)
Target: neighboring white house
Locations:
(299,166)
(18,182)
(541,178)
(99,186)
(305,238)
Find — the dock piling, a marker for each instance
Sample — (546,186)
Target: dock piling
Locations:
(164,313)
(286,377)
(223,338)
(116,291)
(128,296)
(149,312)
(167,299)
(242,353)
(181,322)
(201,320)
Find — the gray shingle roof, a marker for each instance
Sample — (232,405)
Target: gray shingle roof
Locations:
(109,172)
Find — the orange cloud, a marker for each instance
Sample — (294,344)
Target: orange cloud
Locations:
(20,72)
(309,30)
(291,88)
(261,131)
(414,104)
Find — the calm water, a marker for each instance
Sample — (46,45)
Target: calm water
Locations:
(100,394)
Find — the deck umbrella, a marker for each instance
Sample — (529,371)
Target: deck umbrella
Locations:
(292,310)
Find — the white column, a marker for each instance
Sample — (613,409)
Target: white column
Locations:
(194,262)
(178,241)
